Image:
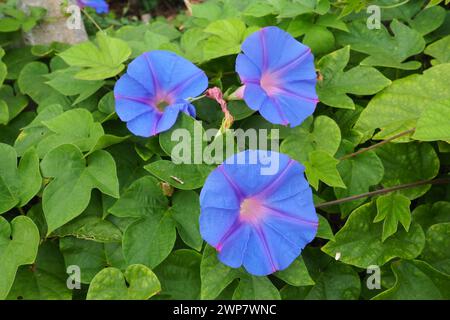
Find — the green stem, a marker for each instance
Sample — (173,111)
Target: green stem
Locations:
(197,98)
(108,117)
(379,144)
(92,20)
(383,191)
(394,5)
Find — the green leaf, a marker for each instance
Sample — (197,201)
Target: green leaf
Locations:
(16,18)
(107,104)
(19,243)
(101,61)
(173,144)
(68,194)
(181,176)
(336,282)
(403,102)
(439,50)
(129,166)
(322,166)
(105,141)
(90,228)
(436,251)
(149,240)
(32,82)
(142,198)
(324,231)
(416,280)
(359,174)
(192,42)
(15,104)
(16,59)
(9,133)
(256,288)
(393,209)
(294,293)
(359,241)
(140,39)
(3,68)
(114,255)
(86,254)
(137,283)
(434,123)
(9,24)
(428,20)
(435,3)
(319,39)
(29,177)
(147,37)
(215,275)
(64,81)
(296,274)
(46,280)
(407,163)
(289,9)
(315,31)
(18,185)
(75,127)
(226,38)
(431,213)
(324,135)
(180,275)
(259,9)
(336,83)
(37,215)
(35,131)
(239,109)
(4,112)
(383,49)
(186,213)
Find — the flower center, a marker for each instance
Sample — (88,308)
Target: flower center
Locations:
(270,84)
(252,210)
(162,104)
(163,100)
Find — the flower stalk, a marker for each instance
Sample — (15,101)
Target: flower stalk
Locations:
(384,191)
(216,94)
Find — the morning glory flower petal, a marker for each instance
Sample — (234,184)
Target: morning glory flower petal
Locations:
(141,71)
(279,76)
(174,74)
(248,71)
(215,193)
(280,251)
(259,221)
(246,175)
(258,259)
(170,115)
(216,222)
(100,6)
(271,109)
(131,98)
(139,125)
(283,107)
(255,96)
(155,89)
(235,246)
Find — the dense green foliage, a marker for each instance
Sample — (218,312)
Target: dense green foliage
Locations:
(76,188)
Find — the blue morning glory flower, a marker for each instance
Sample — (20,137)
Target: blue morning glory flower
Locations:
(155,90)
(260,221)
(279,76)
(100,6)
